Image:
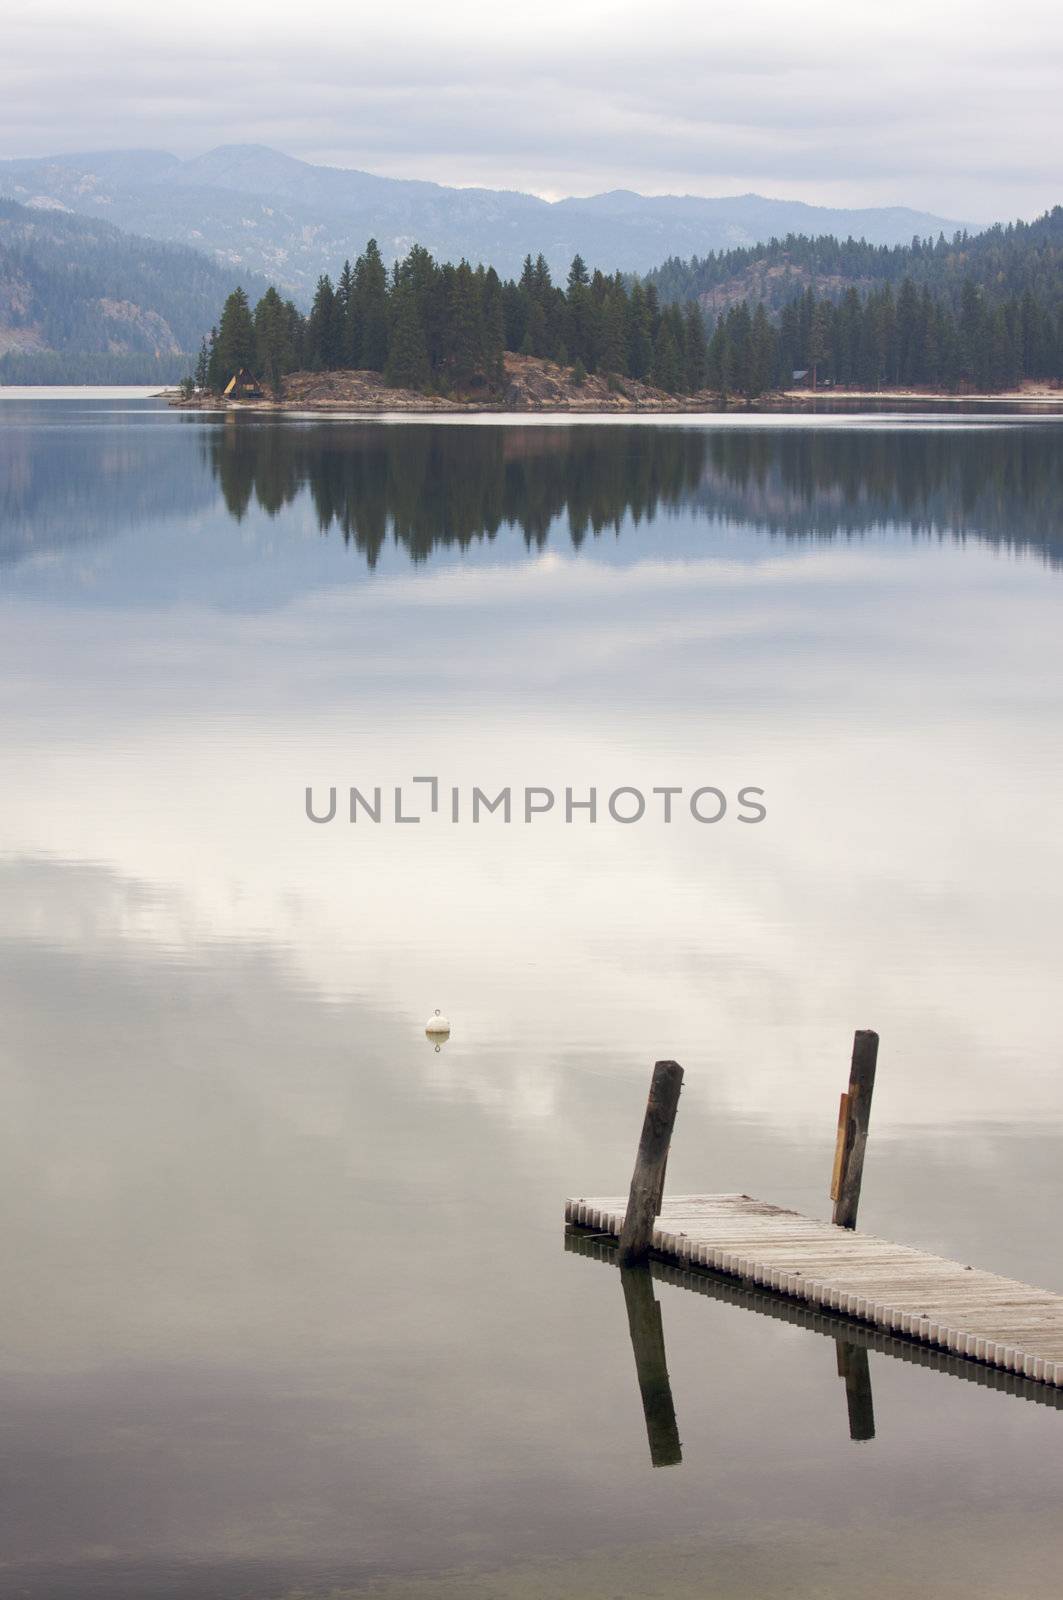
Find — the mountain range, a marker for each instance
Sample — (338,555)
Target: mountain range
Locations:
(258,211)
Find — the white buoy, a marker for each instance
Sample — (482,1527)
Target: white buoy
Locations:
(437,1027)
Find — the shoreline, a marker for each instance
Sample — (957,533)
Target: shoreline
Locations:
(1027,396)
(534,386)
(784,404)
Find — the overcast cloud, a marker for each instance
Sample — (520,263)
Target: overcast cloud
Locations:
(949,105)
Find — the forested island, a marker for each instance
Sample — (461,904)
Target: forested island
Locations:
(981,315)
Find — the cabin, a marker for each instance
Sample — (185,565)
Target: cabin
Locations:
(243,385)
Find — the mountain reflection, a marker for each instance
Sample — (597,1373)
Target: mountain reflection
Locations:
(427,487)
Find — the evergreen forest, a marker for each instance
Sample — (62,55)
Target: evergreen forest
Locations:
(980,315)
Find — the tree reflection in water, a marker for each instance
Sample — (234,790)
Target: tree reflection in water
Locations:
(430,486)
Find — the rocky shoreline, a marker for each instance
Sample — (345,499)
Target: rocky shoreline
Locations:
(536,385)
(530,384)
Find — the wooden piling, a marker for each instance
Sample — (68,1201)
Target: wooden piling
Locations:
(651,1366)
(839,1147)
(853,1122)
(647,1181)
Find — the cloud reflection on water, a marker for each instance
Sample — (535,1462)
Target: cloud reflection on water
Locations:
(255,1307)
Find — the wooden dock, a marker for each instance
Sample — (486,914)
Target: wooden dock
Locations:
(941,1304)
(744,1296)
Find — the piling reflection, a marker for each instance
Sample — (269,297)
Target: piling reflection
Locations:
(853,1367)
(651,1365)
(428,487)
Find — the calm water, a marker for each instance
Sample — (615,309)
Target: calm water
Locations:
(287,1309)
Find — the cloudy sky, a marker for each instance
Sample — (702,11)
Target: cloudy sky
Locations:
(947,105)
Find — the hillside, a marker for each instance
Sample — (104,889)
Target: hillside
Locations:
(82,301)
(259,211)
(1003,261)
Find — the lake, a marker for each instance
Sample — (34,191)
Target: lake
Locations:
(288,1310)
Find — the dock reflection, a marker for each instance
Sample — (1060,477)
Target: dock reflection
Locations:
(853,1343)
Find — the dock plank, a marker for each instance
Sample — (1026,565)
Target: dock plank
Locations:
(946,1304)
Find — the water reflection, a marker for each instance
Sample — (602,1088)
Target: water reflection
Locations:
(65,485)
(651,1365)
(284,1308)
(852,1340)
(433,488)
(430,488)
(853,1368)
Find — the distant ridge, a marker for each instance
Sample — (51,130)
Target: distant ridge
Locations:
(1002,260)
(258,210)
(83,301)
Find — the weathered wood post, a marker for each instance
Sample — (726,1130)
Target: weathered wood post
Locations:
(651,1366)
(853,1367)
(647,1181)
(853,1118)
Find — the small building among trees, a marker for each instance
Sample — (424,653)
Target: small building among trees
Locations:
(243,385)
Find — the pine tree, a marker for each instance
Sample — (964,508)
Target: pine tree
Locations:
(535,339)
(719,363)
(667,370)
(762,354)
(696,349)
(640,334)
(817,349)
(973,333)
(345,309)
(847,338)
(578,276)
(274,355)
(614,334)
(369,298)
(464,342)
(928,363)
(321,328)
(515,307)
(236,337)
(738,330)
(911,334)
(493,349)
(407,362)
(579,313)
(296,329)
